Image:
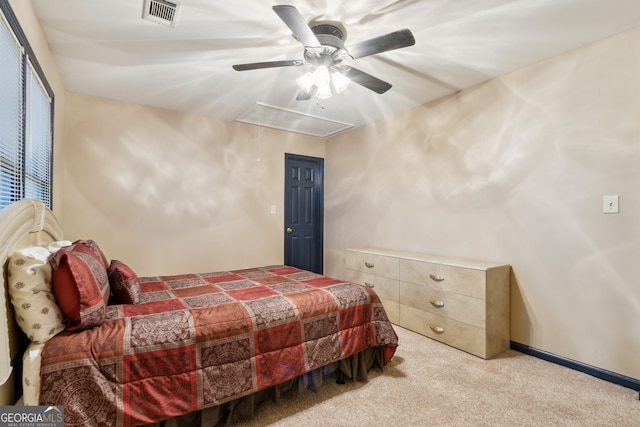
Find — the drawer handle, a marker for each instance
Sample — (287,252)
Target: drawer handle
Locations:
(437,329)
(436,277)
(436,303)
(369,285)
(369,264)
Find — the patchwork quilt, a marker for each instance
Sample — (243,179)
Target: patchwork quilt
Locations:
(200,340)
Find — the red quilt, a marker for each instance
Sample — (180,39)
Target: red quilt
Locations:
(199,340)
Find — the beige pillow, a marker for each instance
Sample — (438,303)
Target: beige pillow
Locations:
(31,362)
(29,277)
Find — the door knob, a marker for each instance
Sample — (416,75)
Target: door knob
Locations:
(289,230)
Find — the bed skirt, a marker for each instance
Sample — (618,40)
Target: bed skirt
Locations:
(354,368)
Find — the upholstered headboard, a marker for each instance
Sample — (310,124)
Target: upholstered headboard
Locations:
(22,224)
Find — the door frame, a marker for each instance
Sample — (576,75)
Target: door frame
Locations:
(318,208)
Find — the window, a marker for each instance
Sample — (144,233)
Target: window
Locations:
(26,113)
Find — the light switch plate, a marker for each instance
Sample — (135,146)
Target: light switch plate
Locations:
(610,204)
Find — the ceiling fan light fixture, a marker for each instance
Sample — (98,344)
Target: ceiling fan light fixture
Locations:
(306,82)
(322,81)
(321,76)
(323,91)
(340,81)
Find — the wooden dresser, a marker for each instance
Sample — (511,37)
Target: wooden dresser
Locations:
(462,303)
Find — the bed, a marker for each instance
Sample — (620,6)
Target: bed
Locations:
(122,350)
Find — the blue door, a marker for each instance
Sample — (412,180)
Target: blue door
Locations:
(304,212)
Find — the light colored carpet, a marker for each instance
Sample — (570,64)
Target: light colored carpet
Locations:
(431,384)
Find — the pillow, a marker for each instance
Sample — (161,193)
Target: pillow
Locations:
(81,286)
(31,363)
(56,246)
(124,283)
(90,247)
(29,280)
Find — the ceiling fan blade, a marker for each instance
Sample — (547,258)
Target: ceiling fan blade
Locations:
(366,80)
(304,96)
(269,64)
(296,22)
(396,40)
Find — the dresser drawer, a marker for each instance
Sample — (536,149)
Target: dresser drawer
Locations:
(459,307)
(392,308)
(452,332)
(373,264)
(465,281)
(383,286)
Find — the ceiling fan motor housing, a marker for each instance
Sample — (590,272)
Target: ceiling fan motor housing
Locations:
(331,37)
(331,34)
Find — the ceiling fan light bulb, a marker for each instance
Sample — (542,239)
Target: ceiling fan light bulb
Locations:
(306,82)
(340,81)
(323,91)
(321,76)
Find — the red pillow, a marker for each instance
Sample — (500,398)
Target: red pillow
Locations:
(124,283)
(90,247)
(81,286)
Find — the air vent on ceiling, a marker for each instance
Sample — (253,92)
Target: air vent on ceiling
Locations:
(293,121)
(161,12)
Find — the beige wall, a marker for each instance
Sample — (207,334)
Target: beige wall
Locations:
(171,193)
(514,171)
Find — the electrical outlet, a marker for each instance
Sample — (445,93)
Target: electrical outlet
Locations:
(610,204)
(273,210)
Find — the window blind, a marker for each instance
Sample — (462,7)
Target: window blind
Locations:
(11,116)
(26,111)
(37,170)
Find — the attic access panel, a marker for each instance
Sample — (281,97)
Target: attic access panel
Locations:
(293,121)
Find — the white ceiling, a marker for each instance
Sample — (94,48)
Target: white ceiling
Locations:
(105,48)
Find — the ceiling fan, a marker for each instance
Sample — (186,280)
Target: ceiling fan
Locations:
(324,48)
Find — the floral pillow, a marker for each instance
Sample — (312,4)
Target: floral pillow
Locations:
(31,293)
